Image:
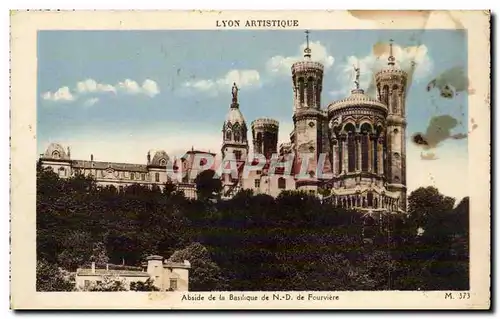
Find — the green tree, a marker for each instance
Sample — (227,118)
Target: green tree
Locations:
(208,185)
(204,274)
(50,278)
(147,285)
(108,283)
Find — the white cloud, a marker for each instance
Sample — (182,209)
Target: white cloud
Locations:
(91,101)
(281,65)
(414,59)
(62,94)
(91,86)
(149,87)
(242,78)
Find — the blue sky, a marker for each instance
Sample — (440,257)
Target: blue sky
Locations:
(142,90)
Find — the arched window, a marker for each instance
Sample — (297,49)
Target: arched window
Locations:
(394,100)
(375,203)
(301,90)
(365,146)
(339,156)
(351,152)
(351,147)
(310,91)
(237,136)
(385,95)
(281,183)
(163,162)
(157,177)
(56,155)
(375,156)
(370,199)
(228,134)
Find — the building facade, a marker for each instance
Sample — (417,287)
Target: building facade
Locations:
(165,275)
(353,149)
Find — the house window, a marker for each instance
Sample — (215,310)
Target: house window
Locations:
(237,154)
(259,172)
(86,283)
(163,162)
(257,183)
(157,177)
(281,183)
(143,176)
(173,284)
(132,175)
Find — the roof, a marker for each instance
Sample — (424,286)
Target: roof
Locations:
(105,165)
(234,115)
(104,272)
(357,98)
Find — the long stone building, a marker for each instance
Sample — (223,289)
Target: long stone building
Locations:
(352,149)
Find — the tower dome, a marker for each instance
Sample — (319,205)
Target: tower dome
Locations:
(56,151)
(357,98)
(160,158)
(390,79)
(307,77)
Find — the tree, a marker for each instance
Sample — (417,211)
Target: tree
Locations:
(108,283)
(147,285)
(208,185)
(99,254)
(76,250)
(204,274)
(50,278)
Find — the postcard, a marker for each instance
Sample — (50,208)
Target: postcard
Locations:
(250,160)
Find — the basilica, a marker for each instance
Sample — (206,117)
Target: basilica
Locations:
(358,142)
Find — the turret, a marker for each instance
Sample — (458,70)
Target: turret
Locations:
(265,136)
(391,84)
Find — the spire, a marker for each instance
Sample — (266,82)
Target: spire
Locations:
(391,57)
(235,90)
(307,50)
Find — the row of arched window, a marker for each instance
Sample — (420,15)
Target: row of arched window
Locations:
(235,135)
(366,201)
(310,89)
(386,97)
(361,150)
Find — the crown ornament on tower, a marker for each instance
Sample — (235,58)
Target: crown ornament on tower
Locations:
(391,58)
(307,50)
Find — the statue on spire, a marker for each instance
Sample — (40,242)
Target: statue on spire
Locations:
(356,77)
(235,93)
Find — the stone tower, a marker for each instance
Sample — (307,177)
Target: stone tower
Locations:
(391,84)
(265,136)
(310,122)
(234,131)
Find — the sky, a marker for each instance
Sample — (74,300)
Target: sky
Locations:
(119,94)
